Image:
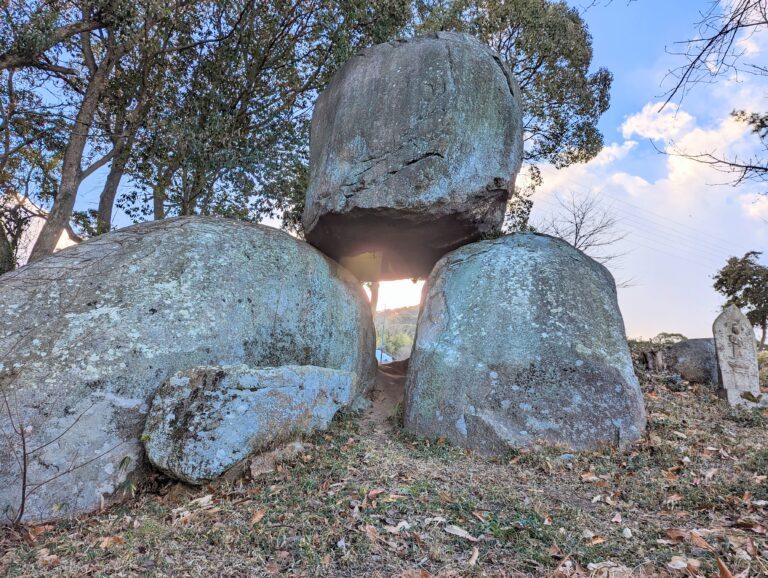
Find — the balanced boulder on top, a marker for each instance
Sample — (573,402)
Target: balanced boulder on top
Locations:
(415,146)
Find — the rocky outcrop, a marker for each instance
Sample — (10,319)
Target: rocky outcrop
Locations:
(88,334)
(694,360)
(205,420)
(415,146)
(520,341)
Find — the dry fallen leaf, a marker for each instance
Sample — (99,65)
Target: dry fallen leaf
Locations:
(475,555)
(416,573)
(678,563)
(699,542)
(673,498)
(202,502)
(257,516)
(723,569)
(670,476)
(45,558)
(460,532)
(609,570)
(677,535)
(373,493)
(371,532)
(36,531)
(110,541)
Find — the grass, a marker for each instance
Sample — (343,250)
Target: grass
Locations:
(360,502)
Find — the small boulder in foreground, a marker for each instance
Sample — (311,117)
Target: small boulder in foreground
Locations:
(205,420)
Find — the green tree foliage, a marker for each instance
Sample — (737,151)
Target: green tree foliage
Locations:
(762,364)
(744,282)
(233,140)
(665,338)
(398,345)
(548,47)
(202,107)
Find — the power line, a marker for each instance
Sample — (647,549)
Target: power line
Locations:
(663,236)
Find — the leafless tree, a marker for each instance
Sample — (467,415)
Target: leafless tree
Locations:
(585,223)
(718,49)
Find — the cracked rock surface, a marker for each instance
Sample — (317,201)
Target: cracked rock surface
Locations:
(415,146)
(205,420)
(88,334)
(520,341)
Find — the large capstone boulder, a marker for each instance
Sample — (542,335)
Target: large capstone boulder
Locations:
(520,342)
(694,360)
(415,145)
(205,420)
(87,335)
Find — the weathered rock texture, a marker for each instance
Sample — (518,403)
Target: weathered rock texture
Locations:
(520,341)
(205,420)
(737,358)
(415,146)
(88,334)
(693,359)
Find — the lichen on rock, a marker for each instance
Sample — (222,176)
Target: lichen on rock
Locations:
(415,146)
(88,334)
(205,420)
(519,342)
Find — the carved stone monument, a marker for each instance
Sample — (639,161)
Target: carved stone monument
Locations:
(737,358)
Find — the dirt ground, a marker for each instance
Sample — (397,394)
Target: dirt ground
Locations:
(367,499)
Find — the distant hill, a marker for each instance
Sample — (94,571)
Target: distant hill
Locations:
(395,329)
(402,320)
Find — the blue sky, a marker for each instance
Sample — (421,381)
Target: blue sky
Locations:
(680,224)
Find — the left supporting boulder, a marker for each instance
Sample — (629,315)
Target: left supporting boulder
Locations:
(205,420)
(88,334)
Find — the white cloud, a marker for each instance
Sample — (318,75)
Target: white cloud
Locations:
(755,206)
(681,222)
(657,124)
(613,152)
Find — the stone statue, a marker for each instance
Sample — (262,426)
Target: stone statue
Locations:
(737,358)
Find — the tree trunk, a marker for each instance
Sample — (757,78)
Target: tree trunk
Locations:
(158,191)
(762,337)
(71,169)
(7,260)
(374,296)
(654,360)
(107,198)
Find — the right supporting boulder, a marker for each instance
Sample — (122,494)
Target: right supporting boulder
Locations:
(520,341)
